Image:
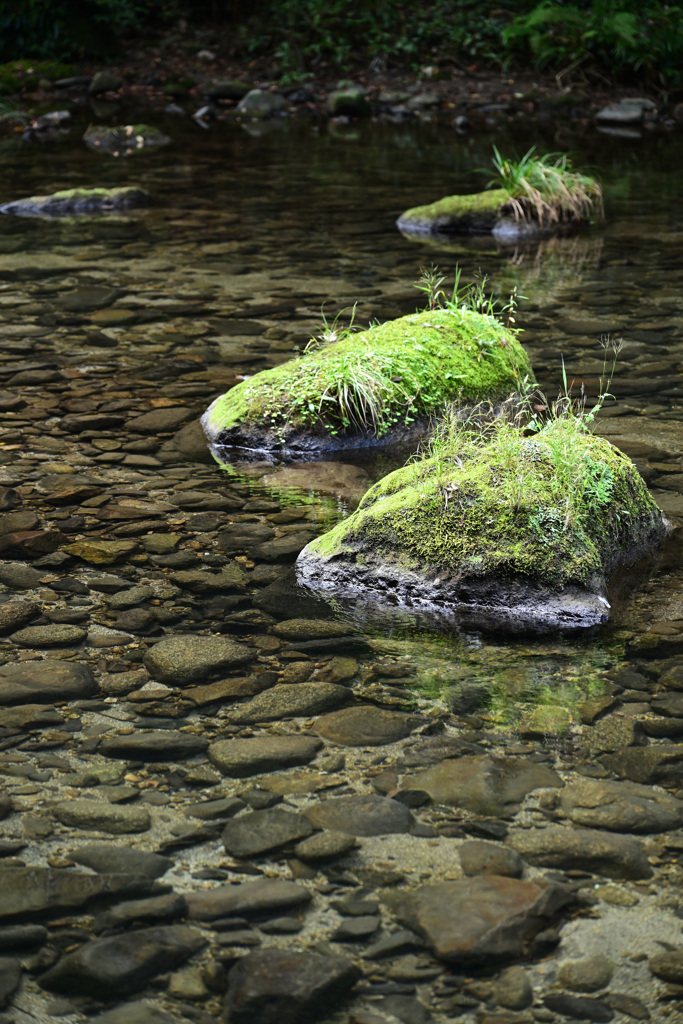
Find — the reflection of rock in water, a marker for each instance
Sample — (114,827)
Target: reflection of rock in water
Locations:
(339,479)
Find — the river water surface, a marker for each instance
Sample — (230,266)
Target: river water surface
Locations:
(256,231)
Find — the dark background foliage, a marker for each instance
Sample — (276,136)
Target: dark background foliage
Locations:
(638,40)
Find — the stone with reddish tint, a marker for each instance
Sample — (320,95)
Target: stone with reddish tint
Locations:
(365,726)
(479,920)
(277,986)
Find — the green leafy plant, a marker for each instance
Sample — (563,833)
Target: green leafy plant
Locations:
(331,332)
(546,188)
(619,36)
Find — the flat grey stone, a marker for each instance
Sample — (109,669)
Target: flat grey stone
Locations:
(239,758)
(18,576)
(36,890)
(310,629)
(168,907)
(291,700)
(585,849)
(579,1007)
(621,806)
(106,858)
(478,857)
(262,897)
(513,989)
(178,660)
(668,965)
(160,421)
(661,763)
(365,726)
(355,928)
(97,815)
(55,635)
(486,785)
(164,745)
(325,846)
(137,1013)
(122,964)
(257,833)
(361,815)
(15,614)
(38,682)
(287,987)
(586,975)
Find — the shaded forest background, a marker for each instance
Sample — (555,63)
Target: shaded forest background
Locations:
(633,41)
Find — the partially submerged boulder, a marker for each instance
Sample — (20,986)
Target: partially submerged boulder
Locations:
(78,200)
(373,387)
(539,195)
(510,532)
(479,213)
(124,137)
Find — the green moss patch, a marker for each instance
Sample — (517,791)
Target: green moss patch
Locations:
(554,511)
(473,213)
(369,382)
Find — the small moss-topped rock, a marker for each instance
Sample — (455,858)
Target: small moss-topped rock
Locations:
(511,532)
(78,200)
(372,387)
(472,214)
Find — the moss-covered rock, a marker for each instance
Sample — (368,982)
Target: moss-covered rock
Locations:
(480,213)
(512,532)
(124,137)
(78,200)
(375,386)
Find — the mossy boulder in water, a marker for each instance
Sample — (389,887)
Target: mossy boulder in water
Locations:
(376,386)
(480,213)
(515,533)
(78,200)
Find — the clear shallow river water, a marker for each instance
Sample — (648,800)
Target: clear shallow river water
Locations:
(254,229)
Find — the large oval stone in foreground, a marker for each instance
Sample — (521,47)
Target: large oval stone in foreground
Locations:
(292,700)
(485,785)
(585,849)
(122,964)
(361,815)
(178,660)
(365,726)
(477,920)
(283,986)
(238,758)
(30,682)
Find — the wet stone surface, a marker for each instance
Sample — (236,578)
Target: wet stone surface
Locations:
(223,798)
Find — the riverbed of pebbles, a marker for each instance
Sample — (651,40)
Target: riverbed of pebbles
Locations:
(220,799)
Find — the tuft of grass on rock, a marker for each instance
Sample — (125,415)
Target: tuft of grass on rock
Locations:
(547,188)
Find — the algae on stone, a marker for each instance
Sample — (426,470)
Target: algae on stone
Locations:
(78,200)
(511,531)
(476,213)
(369,385)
